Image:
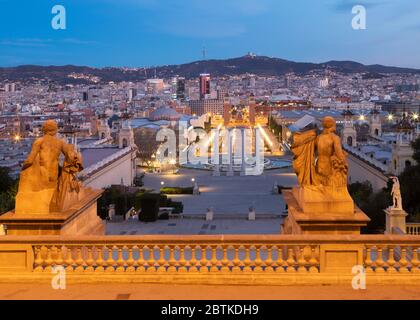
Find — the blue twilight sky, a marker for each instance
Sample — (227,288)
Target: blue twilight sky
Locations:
(139,33)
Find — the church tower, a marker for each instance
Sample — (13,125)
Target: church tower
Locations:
(375,125)
(349,135)
(104,131)
(125,134)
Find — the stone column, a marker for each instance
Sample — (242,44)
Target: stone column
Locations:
(215,156)
(243,164)
(229,151)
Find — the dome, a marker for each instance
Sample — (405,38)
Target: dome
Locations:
(164,113)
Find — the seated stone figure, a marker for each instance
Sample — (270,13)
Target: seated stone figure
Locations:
(321,167)
(69,189)
(39,177)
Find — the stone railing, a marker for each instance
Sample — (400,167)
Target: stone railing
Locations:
(99,165)
(214,259)
(413,229)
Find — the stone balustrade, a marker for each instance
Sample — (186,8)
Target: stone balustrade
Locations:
(413,228)
(246,258)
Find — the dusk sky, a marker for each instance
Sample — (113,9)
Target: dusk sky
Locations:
(139,33)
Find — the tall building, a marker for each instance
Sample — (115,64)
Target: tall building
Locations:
(10,87)
(178,88)
(204,85)
(132,93)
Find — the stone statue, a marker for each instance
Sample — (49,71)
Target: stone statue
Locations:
(40,191)
(320,161)
(68,188)
(396,194)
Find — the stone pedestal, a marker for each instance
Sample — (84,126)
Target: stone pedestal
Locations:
(309,213)
(395,221)
(209,214)
(80,219)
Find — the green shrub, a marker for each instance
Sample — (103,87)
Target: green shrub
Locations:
(177,190)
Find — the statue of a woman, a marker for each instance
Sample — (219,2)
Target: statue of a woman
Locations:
(320,160)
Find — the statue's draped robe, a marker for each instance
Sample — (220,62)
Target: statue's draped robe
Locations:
(303,149)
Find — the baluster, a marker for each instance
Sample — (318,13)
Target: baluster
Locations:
(225,260)
(302,263)
(89,260)
(69,260)
(368,261)
(120,261)
(48,263)
(403,261)
(313,262)
(79,260)
(391,261)
(151,260)
(100,262)
(172,262)
(193,261)
(213,261)
(247,260)
(236,261)
(130,261)
(161,262)
(39,262)
(109,263)
(291,262)
(203,260)
(258,261)
(182,262)
(379,262)
(60,258)
(415,261)
(280,263)
(269,261)
(141,262)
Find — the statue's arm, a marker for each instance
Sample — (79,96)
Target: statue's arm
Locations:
(32,155)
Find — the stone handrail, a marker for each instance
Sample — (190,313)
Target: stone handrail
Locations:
(413,228)
(384,257)
(91,169)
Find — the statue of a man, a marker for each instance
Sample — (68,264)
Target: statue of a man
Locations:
(396,194)
(39,177)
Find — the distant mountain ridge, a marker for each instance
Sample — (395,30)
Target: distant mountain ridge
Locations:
(258,65)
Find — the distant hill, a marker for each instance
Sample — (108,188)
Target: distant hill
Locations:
(258,65)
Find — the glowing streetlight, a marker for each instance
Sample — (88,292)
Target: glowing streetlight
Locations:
(415,116)
(192,180)
(362,117)
(162,183)
(390,117)
(17,137)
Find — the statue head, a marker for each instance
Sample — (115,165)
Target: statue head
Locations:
(50,128)
(329,124)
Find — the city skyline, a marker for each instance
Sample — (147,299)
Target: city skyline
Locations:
(151,33)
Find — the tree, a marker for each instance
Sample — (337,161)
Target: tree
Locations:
(6,182)
(416,150)
(8,190)
(372,204)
